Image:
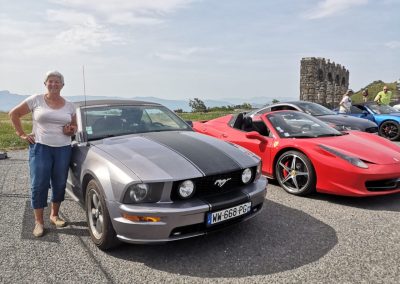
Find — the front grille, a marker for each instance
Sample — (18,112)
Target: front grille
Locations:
(371,129)
(383,185)
(201,228)
(206,186)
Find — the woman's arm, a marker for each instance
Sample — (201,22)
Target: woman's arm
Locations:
(15,115)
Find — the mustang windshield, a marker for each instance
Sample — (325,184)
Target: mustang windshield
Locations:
(109,121)
(294,124)
(314,109)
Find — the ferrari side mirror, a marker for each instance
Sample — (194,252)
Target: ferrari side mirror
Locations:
(257,136)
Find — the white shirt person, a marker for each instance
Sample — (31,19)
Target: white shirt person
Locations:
(345,103)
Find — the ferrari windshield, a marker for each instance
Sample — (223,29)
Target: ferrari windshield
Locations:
(294,124)
(108,121)
(382,109)
(314,109)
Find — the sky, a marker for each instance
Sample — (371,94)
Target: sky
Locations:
(180,49)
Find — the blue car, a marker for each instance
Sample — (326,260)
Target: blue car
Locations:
(387,118)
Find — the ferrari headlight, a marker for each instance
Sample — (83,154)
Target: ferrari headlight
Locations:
(352,160)
(186,189)
(246,175)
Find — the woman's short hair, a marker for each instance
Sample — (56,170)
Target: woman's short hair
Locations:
(54,73)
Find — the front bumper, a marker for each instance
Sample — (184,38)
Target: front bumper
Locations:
(359,182)
(183,219)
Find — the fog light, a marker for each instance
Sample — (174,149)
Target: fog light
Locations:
(186,189)
(246,175)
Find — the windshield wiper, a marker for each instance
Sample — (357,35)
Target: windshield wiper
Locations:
(301,136)
(329,135)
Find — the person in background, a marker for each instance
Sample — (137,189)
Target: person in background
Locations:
(383,97)
(345,103)
(365,95)
(54,122)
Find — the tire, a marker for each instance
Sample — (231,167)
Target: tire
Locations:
(390,129)
(295,173)
(98,219)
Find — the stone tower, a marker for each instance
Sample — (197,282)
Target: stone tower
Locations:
(322,82)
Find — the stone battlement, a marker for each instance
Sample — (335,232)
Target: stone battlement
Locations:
(322,81)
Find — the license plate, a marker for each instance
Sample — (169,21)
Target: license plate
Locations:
(229,213)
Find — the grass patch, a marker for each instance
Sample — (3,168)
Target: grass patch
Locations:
(373,89)
(195,116)
(8,138)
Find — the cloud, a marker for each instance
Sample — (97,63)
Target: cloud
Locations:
(185,54)
(328,8)
(81,31)
(105,6)
(393,44)
(130,19)
(122,12)
(81,25)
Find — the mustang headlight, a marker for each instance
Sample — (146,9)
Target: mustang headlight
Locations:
(186,189)
(143,192)
(138,192)
(352,160)
(246,175)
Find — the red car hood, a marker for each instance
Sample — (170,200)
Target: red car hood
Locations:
(367,147)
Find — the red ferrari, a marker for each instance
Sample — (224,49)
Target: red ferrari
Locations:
(304,154)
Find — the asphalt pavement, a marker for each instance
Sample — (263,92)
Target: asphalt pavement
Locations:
(318,239)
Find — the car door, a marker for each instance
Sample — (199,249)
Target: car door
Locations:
(259,144)
(361,112)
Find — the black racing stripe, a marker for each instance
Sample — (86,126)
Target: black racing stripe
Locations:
(209,159)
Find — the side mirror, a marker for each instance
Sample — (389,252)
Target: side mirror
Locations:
(364,112)
(257,136)
(189,122)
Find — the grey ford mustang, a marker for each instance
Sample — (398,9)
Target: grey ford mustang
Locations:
(144,176)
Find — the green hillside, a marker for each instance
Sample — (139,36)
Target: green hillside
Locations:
(373,89)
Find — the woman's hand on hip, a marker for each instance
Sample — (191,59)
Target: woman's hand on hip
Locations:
(30,138)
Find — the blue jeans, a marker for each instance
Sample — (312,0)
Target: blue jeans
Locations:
(48,168)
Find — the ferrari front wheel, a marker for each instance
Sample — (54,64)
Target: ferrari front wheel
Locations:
(295,173)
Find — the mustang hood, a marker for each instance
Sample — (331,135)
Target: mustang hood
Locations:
(370,150)
(176,155)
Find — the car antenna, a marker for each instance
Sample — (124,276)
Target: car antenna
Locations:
(84,94)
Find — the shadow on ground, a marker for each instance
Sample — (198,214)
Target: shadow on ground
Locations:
(52,234)
(381,203)
(279,239)
(389,202)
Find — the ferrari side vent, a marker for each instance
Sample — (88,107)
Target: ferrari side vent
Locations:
(383,185)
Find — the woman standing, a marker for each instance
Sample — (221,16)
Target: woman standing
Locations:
(345,103)
(49,146)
